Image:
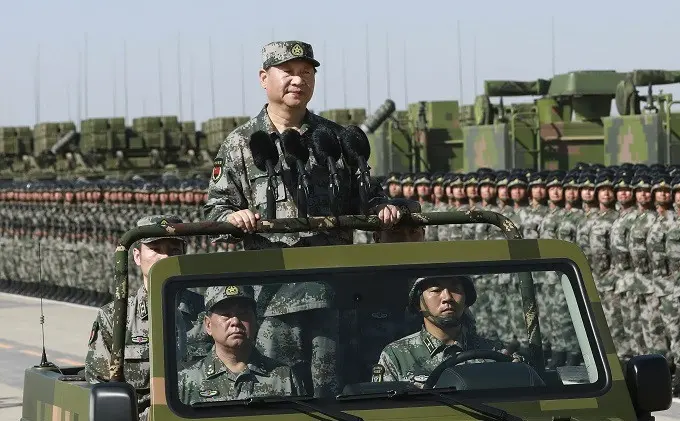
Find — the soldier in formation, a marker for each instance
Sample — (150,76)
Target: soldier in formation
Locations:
(72,227)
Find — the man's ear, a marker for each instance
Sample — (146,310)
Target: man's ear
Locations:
(136,254)
(263,78)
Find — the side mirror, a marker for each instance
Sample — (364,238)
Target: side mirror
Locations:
(113,401)
(649,383)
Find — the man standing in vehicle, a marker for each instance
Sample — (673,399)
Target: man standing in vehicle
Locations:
(237,194)
(448,329)
(234,369)
(136,362)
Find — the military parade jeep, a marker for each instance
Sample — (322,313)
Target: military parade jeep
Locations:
(369,285)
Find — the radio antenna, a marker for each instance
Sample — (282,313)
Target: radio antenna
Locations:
(43,358)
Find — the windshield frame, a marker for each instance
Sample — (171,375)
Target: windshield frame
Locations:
(174,283)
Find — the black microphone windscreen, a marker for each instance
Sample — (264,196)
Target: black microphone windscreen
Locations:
(355,142)
(326,144)
(262,148)
(293,146)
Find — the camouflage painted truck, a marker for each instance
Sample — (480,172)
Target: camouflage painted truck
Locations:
(374,280)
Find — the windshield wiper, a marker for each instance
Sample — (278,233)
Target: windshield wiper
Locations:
(437,395)
(298,402)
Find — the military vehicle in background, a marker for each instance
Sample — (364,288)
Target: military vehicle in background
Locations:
(569,121)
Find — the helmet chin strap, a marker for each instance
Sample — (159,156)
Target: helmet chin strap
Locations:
(442,322)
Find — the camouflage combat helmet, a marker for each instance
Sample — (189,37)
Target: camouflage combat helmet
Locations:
(214,295)
(417,290)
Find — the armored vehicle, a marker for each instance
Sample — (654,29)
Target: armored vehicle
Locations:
(371,286)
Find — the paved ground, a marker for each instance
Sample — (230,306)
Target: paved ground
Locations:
(67,329)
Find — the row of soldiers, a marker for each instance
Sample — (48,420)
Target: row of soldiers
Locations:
(624,218)
(72,227)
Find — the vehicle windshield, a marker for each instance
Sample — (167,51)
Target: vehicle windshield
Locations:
(351,332)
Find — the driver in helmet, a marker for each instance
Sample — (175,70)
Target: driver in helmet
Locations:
(448,329)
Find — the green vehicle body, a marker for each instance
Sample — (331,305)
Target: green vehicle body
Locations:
(52,393)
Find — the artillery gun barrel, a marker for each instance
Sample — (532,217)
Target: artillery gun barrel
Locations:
(383,112)
(290,225)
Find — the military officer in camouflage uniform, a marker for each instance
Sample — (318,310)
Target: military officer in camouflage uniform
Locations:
(457,202)
(658,258)
(237,194)
(642,287)
(627,339)
(234,369)
(393,184)
(136,363)
(571,218)
(600,247)
(448,329)
(590,209)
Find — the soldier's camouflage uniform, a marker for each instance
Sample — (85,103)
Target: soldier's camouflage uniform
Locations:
(136,355)
(238,184)
(672,280)
(413,357)
(628,339)
(209,380)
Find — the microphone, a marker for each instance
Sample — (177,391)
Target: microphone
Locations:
(296,151)
(327,148)
(265,158)
(357,151)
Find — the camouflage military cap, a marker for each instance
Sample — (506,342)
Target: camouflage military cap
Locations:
(537,179)
(502,178)
(393,178)
(214,295)
(420,284)
(422,178)
(570,180)
(279,52)
(407,179)
(555,178)
(456,180)
(487,178)
(517,179)
(470,179)
(661,182)
(160,220)
(604,179)
(438,178)
(675,183)
(586,180)
(622,182)
(641,181)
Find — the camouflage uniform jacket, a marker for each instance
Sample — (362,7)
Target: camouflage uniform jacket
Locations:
(673,255)
(639,255)
(238,184)
(548,227)
(488,231)
(209,380)
(452,232)
(136,360)
(431,231)
(532,220)
(568,226)
(658,255)
(413,357)
(620,271)
(600,249)
(583,232)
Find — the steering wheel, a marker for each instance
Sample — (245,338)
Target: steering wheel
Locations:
(473,354)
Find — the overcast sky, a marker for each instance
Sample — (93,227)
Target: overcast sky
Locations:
(513,41)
